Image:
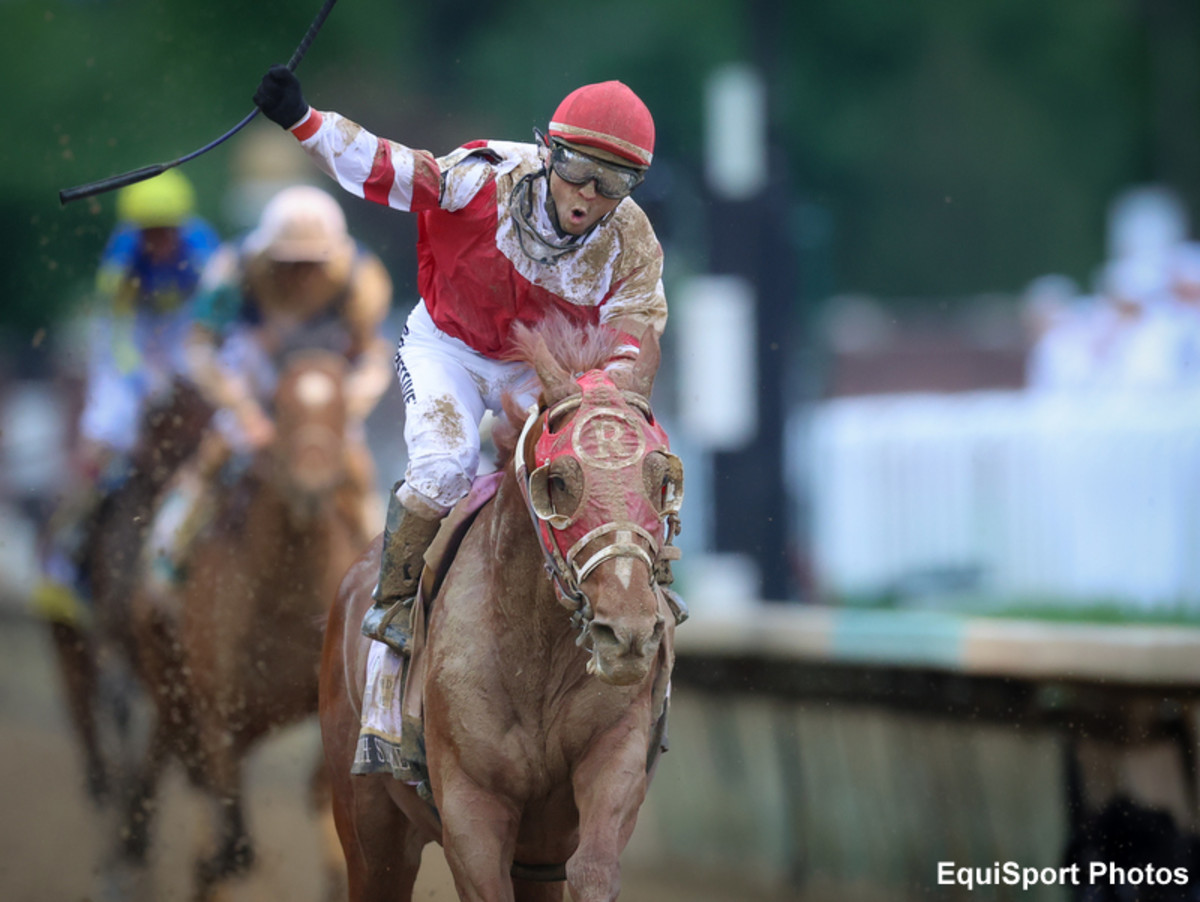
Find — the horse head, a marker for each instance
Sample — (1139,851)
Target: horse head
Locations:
(306,461)
(604,492)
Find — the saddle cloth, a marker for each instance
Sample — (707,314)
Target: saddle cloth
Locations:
(391,737)
(382,724)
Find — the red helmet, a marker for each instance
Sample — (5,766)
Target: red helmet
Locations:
(608,117)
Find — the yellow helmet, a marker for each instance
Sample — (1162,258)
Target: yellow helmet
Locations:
(163,201)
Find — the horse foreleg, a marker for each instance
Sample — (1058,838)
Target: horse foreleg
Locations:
(78,668)
(381,845)
(525,891)
(221,775)
(140,802)
(479,837)
(320,801)
(234,854)
(610,786)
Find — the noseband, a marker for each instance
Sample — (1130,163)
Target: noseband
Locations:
(605,432)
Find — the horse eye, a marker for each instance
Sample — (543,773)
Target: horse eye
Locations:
(565,484)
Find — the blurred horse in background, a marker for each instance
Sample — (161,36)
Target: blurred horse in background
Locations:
(95,657)
(231,650)
(541,725)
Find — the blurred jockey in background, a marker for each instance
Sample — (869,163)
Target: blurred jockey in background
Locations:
(149,270)
(297,281)
(508,232)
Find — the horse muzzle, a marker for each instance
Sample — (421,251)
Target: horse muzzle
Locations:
(623,652)
(315,460)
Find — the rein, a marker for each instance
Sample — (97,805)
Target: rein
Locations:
(566,574)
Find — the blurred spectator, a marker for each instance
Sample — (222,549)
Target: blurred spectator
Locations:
(148,272)
(1142,329)
(1145,221)
(1058,321)
(1185,292)
(1136,338)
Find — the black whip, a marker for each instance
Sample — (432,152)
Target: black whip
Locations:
(137,175)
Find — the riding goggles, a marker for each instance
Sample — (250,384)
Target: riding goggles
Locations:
(612,181)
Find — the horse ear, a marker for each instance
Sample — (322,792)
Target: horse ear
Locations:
(641,379)
(557,383)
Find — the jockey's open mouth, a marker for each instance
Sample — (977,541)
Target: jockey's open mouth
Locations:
(577,215)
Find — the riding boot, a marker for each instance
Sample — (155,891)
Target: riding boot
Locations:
(407,535)
(62,594)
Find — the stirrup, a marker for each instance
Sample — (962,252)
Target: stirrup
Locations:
(380,624)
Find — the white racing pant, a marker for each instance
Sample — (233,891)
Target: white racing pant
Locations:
(112,408)
(447,388)
(115,395)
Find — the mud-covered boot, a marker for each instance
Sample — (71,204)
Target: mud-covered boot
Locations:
(407,535)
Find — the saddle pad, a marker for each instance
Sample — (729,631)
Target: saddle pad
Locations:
(378,748)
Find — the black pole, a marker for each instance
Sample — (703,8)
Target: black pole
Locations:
(749,490)
(751,238)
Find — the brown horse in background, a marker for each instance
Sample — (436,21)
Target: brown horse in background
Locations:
(95,658)
(539,751)
(232,652)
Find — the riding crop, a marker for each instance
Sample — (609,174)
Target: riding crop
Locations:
(137,175)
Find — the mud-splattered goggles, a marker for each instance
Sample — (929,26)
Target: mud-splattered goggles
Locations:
(612,181)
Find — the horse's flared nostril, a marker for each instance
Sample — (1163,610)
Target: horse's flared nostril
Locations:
(604,636)
(626,641)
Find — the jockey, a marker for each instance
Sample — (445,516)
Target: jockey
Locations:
(297,281)
(507,232)
(148,272)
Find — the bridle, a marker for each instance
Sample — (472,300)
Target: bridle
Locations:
(562,538)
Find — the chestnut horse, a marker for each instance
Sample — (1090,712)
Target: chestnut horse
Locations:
(232,652)
(541,724)
(95,659)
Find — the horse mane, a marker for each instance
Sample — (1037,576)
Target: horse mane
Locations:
(576,347)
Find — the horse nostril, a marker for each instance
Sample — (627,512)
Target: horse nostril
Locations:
(603,634)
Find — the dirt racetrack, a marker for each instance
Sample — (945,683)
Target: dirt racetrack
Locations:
(54,841)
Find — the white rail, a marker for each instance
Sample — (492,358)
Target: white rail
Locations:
(1090,498)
